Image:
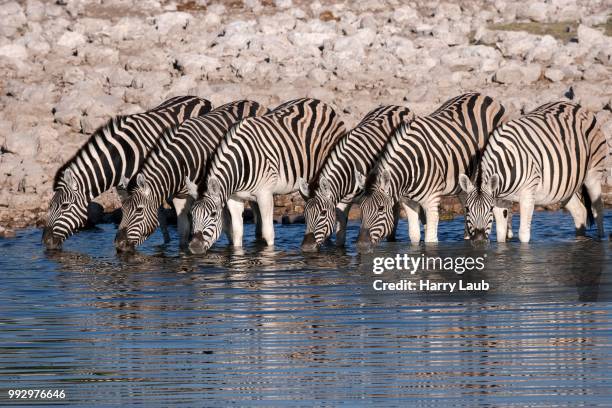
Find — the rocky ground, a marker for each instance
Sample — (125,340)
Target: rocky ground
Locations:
(67,66)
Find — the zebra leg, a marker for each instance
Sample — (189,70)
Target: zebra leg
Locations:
(265,200)
(462,199)
(579,213)
(527,203)
(236,208)
(412,209)
(593,186)
(256,219)
(183,225)
(163,224)
(509,233)
(431,229)
(342,211)
(396,217)
(501,223)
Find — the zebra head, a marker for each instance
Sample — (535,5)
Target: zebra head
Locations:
(207,218)
(67,211)
(139,218)
(479,206)
(320,214)
(377,212)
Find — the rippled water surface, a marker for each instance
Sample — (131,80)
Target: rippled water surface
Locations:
(276,327)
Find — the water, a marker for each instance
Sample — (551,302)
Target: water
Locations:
(275,327)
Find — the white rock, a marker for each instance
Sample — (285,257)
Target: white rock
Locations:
(197,64)
(605,55)
(516,44)
(166,22)
(283,4)
(544,50)
(449,11)
(302,39)
(555,75)
(405,14)
(25,143)
(319,76)
(536,11)
(72,75)
(514,73)
(590,96)
(356,44)
(591,37)
(12,18)
(120,77)
(71,39)
(14,52)
(35,10)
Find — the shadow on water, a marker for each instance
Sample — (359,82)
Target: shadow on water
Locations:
(262,326)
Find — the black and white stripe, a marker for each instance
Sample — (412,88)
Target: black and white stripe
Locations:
(330,199)
(176,163)
(261,157)
(113,152)
(544,157)
(422,163)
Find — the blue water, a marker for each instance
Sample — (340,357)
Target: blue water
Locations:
(276,327)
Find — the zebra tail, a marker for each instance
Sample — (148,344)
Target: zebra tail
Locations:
(586,199)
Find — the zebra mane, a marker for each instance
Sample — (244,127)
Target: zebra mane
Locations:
(202,187)
(166,134)
(112,122)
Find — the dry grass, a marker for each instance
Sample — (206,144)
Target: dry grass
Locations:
(564,31)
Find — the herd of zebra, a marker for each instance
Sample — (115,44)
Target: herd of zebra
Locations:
(210,161)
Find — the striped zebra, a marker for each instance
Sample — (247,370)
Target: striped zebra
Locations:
(113,152)
(422,162)
(336,189)
(547,156)
(177,162)
(261,157)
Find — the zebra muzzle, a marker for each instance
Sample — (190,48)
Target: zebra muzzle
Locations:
(50,240)
(479,235)
(122,243)
(309,244)
(364,241)
(197,245)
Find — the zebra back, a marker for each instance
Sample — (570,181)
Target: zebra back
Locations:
(427,156)
(290,142)
(358,150)
(118,148)
(185,150)
(552,148)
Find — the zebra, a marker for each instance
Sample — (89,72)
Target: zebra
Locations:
(352,157)
(422,162)
(554,154)
(114,151)
(260,157)
(171,169)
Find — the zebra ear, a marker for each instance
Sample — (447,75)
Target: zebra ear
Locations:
(465,183)
(304,188)
(70,180)
(214,189)
(192,188)
(385,181)
(325,187)
(360,180)
(141,182)
(122,189)
(494,182)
